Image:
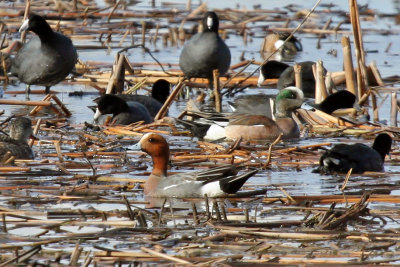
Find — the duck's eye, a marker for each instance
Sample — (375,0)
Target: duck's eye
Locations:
(151,140)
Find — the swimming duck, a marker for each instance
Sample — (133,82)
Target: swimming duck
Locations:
(262,104)
(205,51)
(123,112)
(17,142)
(286,77)
(214,182)
(274,41)
(260,126)
(46,59)
(360,157)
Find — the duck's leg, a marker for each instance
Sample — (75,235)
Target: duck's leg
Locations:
(27,91)
(47,90)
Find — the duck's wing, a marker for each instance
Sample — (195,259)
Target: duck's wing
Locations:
(226,176)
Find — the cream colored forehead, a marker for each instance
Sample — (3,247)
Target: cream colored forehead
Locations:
(145,138)
(295,89)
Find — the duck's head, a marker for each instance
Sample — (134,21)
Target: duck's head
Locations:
(110,104)
(383,144)
(271,70)
(21,129)
(292,45)
(155,145)
(287,100)
(210,22)
(36,24)
(160,90)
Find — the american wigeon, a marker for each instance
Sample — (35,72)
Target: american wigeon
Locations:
(205,51)
(17,142)
(360,157)
(259,126)
(214,182)
(275,41)
(46,59)
(286,77)
(262,104)
(123,112)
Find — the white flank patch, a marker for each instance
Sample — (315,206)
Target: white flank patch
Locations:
(212,189)
(261,78)
(272,107)
(215,132)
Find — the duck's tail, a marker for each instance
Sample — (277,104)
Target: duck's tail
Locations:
(231,185)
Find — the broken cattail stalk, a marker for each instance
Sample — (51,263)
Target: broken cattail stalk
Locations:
(321,35)
(217,93)
(61,105)
(143,32)
(320,88)
(76,253)
(376,74)
(116,81)
(348,66)
(26,14)
(362,80)
(166,257)
(346,179)
(22,102)
(270,150)
(297,76)
(393,110)
(113,10)
(58,150)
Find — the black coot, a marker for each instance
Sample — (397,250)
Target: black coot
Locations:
(46,59)
(123,112)
(205,51)
(362,158)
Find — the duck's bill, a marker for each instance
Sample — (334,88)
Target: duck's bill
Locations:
(135,147)
(24,26)
(96,115)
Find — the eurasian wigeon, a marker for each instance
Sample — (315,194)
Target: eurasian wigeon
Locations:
(17,142)
(360,157)
(205,51)
(253,127)
(286,78)
(275,41)
(46,59)
(214,182)
(123,112)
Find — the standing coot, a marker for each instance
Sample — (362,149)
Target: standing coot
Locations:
(205,51)
(46,59)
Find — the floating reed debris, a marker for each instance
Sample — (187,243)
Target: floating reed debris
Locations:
(80,200)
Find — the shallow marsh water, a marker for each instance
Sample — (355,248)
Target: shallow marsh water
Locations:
(296,181)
